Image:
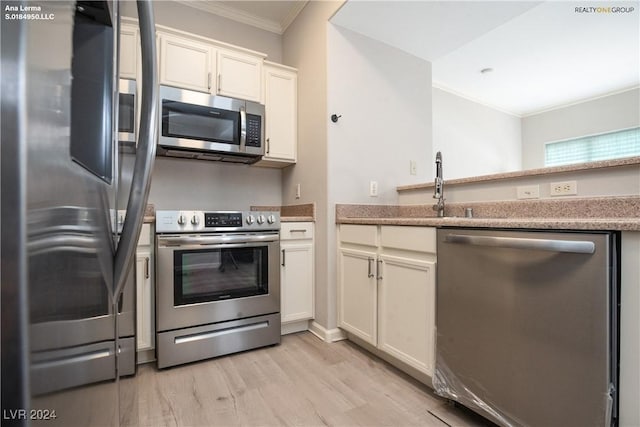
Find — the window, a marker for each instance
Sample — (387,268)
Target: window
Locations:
(614,145)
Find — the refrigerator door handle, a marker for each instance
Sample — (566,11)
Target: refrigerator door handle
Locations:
(146,151)
(578,247)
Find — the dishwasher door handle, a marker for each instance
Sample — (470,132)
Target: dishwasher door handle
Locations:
(570,246)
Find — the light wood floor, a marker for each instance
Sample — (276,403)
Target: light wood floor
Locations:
(302,382)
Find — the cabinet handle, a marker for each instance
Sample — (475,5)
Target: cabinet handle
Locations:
(268,146)
(209,81)
(219,82)
(379,269)
(283,257)
(298,230)
(146,267)
(370,274)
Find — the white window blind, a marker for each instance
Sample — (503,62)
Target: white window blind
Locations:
(607,146)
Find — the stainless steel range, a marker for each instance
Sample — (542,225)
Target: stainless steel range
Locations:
(218,283)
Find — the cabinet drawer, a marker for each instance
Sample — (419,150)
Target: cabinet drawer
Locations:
(296,230)
(145,235)
(419,239)
(359,234)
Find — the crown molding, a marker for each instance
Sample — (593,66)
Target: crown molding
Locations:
(244,17)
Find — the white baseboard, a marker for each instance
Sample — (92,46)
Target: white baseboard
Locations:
(293,327)
(327,335)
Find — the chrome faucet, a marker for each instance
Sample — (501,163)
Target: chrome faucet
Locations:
(439,189)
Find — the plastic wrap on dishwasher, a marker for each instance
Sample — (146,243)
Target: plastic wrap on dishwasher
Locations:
(450,386)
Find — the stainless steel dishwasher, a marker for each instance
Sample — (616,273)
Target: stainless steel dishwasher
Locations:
(527,325)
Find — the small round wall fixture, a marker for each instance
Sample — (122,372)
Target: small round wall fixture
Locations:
(335,117)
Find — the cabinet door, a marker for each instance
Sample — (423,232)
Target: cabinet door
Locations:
(407,311)
(128,52)
(357,311)
(296,281)
(185,63)
(144,316)
(239,75)
(281,105)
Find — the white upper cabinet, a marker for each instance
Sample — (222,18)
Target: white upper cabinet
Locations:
(209,66)
(186,63)
(239,75)
(128,51)
(281,112)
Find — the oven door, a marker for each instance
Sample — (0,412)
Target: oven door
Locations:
(214,278)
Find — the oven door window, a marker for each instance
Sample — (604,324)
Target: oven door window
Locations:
(180,120)
(206,275)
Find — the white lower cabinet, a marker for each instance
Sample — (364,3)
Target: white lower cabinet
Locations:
(296,276)
(386,286)
(145,318)
(358,294)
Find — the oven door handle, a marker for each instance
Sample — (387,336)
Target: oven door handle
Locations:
(215,240)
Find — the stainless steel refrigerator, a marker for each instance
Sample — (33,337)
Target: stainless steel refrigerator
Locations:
(68,318)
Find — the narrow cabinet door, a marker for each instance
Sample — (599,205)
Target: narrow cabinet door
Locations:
(128,52)
(407,310)
(358,293)
(297,282)
(281,103)
(144,320)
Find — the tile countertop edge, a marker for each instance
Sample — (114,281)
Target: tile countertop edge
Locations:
(629,161)
(594,224)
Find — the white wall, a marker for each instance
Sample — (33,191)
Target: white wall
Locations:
(383,96)
(474,139)
(305,47)
(177,15)
(198,184)
(605,114)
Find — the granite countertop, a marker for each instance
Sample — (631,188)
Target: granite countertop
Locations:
(150,214)
(629,161)
(292,213)
(623,224)
(603,213)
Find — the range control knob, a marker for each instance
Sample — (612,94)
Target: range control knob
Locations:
(261,219)
(271,219)
(250,219)
(195,220)
(182,220)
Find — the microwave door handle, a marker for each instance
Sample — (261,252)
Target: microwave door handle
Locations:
(243,129)
(146,151)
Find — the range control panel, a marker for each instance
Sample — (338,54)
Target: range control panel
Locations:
(202,222)
(222,219)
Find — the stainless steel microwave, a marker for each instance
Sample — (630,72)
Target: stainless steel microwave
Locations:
(201,126)
(127,114)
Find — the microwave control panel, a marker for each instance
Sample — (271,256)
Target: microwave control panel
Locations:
(254,130)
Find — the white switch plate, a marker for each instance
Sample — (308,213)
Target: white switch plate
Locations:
(413,167)
(297,191)
(565,188)
(373,188)
(528,192)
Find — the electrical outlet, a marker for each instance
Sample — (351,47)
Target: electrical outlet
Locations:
(565,188)
(413,167)
(373,188)
(528,192)
(297,191)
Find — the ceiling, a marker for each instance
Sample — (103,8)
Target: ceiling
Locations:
(543,54)
(269,15)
